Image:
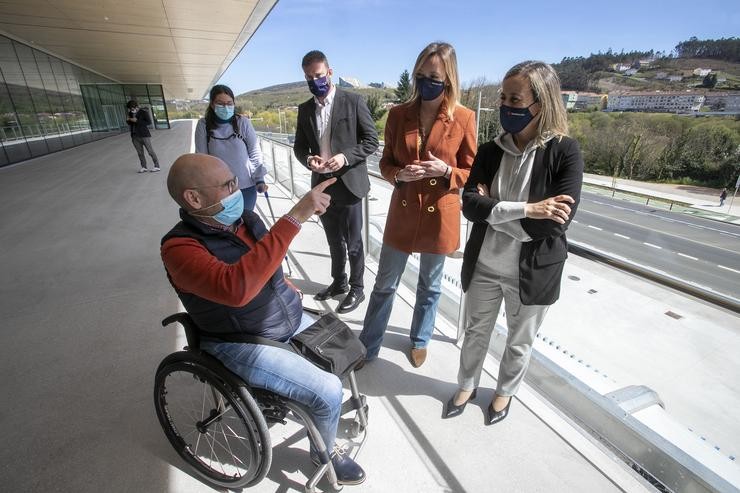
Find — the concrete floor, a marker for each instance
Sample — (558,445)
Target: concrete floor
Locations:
(81,296)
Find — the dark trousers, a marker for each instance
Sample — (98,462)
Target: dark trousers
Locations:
(343,228)
(144,142)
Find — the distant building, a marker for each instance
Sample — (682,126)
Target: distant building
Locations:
(728,102)
(620,67)
(586,100)
(582,100)
(630,71)
(702,72)
(670,102)
(675,78)
(569,99)
(350,82)
(661,75)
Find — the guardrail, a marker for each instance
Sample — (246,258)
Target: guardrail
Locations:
(10,134)
(646,197)
(628,420)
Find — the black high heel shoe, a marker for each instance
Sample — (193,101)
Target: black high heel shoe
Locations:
(494,416)
(451,410)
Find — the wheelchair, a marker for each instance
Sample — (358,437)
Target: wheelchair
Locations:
(219,424)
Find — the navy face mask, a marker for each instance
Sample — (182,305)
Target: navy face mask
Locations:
(429,88)
(319,87)
(513,120)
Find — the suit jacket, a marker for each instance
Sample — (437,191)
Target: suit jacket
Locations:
(557,169)
(424,215)
(352,133)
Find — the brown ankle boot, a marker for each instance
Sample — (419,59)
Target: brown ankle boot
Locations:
(418,356)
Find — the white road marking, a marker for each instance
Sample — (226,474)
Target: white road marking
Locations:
(687,256)
(621,236)
(727,268)
(596,228)
(651,245)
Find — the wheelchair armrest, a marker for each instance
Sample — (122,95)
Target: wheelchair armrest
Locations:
(191,328)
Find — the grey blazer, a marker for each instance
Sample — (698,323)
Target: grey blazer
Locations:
(352,133)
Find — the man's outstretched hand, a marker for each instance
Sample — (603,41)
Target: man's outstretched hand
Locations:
(314,202)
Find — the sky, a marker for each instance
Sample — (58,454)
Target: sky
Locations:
(375,40)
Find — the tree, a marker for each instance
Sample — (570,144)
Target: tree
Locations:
(710,80)
(375,107)
(403,91)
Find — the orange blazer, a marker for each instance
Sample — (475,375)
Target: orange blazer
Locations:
(424,215)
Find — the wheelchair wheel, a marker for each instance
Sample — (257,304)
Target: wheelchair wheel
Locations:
(211,420)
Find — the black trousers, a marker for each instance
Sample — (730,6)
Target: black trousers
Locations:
(343,228)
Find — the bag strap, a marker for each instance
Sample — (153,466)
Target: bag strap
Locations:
(246,338)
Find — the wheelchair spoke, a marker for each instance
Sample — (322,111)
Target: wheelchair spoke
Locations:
(206,417)
(234,458)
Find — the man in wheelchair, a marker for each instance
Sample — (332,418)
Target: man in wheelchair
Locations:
(226,268)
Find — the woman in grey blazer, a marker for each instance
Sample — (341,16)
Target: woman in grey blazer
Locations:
(521,195)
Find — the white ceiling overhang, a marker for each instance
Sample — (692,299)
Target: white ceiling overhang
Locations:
(185,45)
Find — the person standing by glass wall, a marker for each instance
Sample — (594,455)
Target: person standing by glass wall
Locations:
(138,120)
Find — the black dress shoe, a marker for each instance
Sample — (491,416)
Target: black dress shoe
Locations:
(451,410)
(494,416)
(351,301)
(348,471)
(331,291)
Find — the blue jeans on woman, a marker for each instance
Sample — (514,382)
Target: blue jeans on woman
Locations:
(287,374)
(250,198)
(428,288)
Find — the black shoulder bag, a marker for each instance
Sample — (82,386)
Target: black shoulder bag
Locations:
(327,343)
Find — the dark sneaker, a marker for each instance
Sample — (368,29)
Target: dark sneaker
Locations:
(348,471)
(331,291)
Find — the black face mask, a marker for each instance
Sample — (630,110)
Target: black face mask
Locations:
(513,120)
(429,88)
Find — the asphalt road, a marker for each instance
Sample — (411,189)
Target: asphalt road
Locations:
(701,252)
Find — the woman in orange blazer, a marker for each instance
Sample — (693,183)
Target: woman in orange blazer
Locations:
(430,144)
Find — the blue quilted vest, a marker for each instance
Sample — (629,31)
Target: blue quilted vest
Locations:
(274,313)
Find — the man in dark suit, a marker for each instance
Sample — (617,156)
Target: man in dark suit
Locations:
(334,135)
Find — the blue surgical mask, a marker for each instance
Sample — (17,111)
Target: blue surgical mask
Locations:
(513,120)
(429,88)
(319,87)
(233,208)
(224,112)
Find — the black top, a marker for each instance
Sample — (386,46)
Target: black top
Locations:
(557,169)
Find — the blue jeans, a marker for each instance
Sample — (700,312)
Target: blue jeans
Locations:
(428,289)
(250,197)
(286,374)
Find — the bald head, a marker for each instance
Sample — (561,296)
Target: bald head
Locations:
(193,171)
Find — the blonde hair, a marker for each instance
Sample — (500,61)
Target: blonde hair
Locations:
(446,53)
(545,85)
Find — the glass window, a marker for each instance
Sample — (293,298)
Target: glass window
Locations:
(57,118)
(31,100)
(14,87)
(158,107)
(77,116)
(65,101)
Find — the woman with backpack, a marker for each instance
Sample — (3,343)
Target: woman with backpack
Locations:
(231,138)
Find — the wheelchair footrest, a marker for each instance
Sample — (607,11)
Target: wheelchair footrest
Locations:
(353,404)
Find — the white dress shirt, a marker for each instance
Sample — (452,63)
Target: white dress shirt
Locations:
(323,123)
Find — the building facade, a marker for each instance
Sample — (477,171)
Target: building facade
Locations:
(48,104)
(669,102)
